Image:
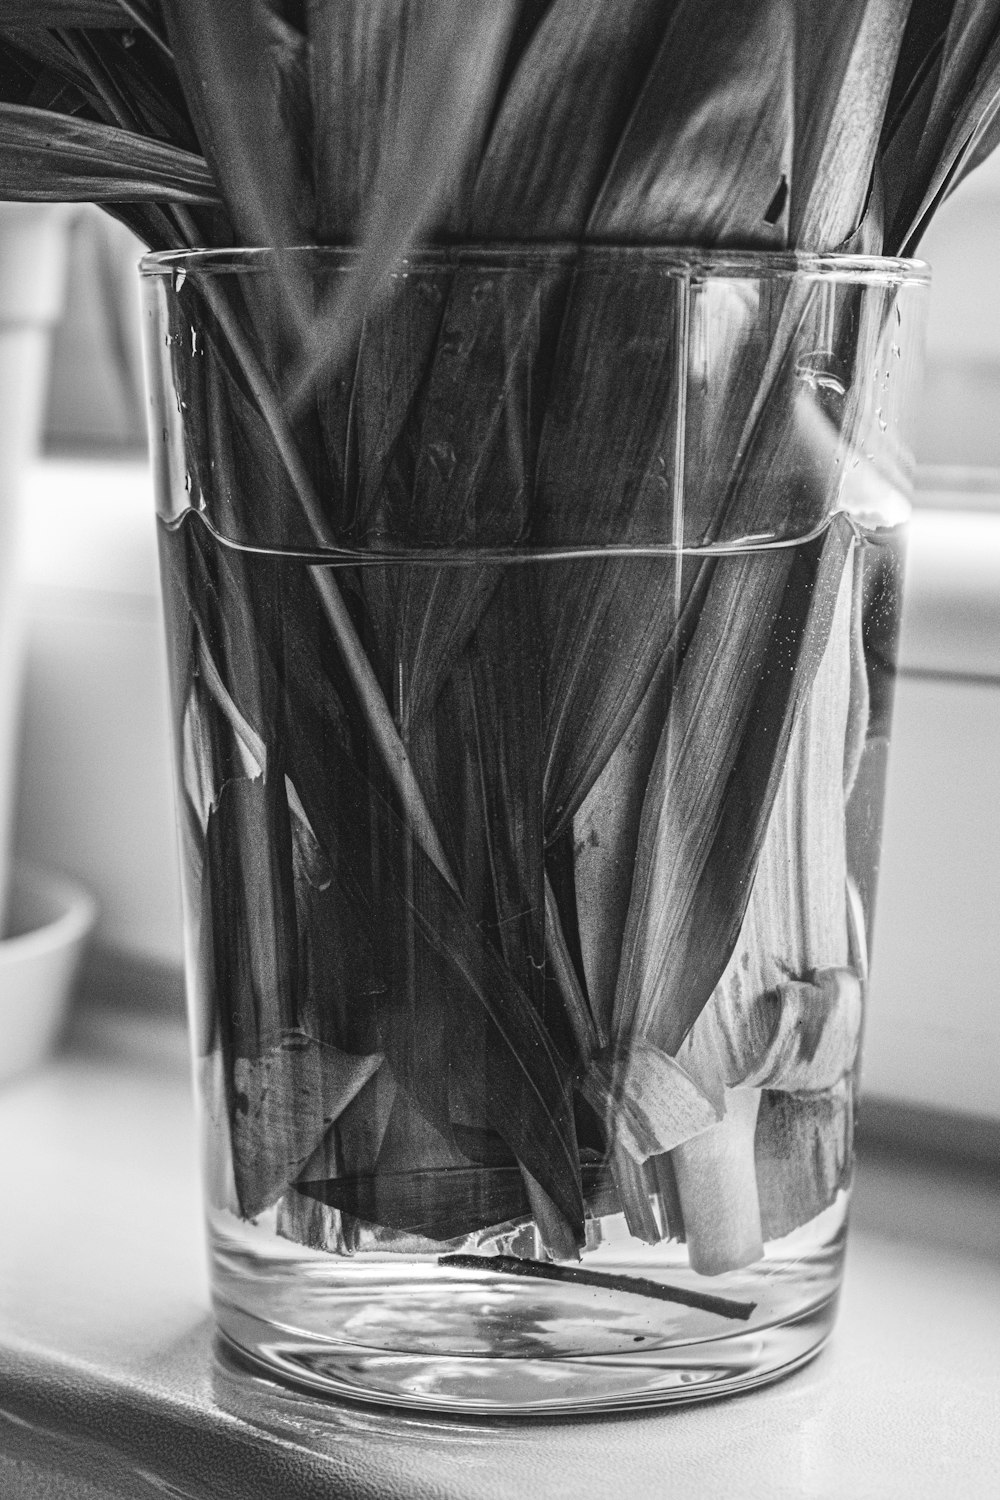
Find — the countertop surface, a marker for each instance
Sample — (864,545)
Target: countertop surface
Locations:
(111,1387)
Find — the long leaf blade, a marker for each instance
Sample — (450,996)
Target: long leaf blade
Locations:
(48,157)
(561,116)
(704,159)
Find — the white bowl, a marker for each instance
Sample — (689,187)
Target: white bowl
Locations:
(50,920)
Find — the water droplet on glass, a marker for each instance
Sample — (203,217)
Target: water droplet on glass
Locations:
(179,278)
(883,425)
(172,340)
(187,484)
(443,457)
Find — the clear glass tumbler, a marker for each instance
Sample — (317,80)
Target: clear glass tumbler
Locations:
(532,670)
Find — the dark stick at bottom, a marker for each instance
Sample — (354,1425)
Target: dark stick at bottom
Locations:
(639,1286)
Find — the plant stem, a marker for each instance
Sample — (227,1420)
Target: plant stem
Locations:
(717,1183)
(638,1286)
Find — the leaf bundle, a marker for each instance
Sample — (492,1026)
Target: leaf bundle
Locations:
(475,841)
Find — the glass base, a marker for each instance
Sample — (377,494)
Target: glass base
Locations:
(470,1386)
(476,1342)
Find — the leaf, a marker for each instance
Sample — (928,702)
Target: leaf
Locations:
(243,69)
(965,98)
(587,1035)
(236,346)
(815,1042)
(47,157)
(419,76)
(705,159)
(448,993)
(777,1017)
(846,58)
(796,918)
(475,459)
(284,1102)
(396,348)
(38,70)
(249,885)
(49,13)
(765,623)
(604,472)
(560,117)
(606,838)
(337,964)
(131,84)
(650,1103)
(913,86)
(803,1150)
(401,89)
(778,447)
(480,756)
(440,1203)
(440,992)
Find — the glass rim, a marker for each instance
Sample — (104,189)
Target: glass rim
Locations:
(683,261)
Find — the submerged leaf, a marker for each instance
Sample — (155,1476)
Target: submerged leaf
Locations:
(648,1100)
(440,1203)
(252,916)
(796,918)
(284,1102)
(606,838)
(605,474)
(747,673)
(803,1152)
(447,992)
(815,1040)
(474,471)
